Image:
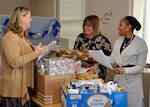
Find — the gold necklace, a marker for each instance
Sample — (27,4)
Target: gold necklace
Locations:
(126,44)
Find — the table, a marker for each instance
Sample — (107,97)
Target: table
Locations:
(146,88)
(35,100)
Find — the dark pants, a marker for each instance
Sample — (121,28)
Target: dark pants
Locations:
(15,102)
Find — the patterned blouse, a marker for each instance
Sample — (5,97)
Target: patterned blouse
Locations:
(100,42)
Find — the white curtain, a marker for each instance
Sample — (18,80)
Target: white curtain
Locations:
(147,27)
(142,13)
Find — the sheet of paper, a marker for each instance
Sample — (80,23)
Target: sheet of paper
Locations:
(100,57)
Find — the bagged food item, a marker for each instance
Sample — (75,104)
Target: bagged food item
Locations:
(78,65)
(51,45)
(88,73)
(74,54)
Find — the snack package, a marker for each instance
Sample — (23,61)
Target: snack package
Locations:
(75,54)
(88,73)
(78,65)
(51,45)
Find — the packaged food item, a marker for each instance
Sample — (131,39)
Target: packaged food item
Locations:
(78,65)
(75,54)
(88,75)
(51,45)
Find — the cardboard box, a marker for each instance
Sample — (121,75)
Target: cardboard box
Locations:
(49,87)
(116,99)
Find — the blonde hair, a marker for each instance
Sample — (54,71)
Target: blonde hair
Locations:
(14,21)
(95,22)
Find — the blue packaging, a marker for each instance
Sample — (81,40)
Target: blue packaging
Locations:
(115,99)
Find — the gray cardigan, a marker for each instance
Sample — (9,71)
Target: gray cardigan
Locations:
(134,54)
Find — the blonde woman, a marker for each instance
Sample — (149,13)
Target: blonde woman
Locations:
(18,57)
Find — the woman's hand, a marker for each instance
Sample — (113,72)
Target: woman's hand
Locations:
(41,50)
(118,70)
